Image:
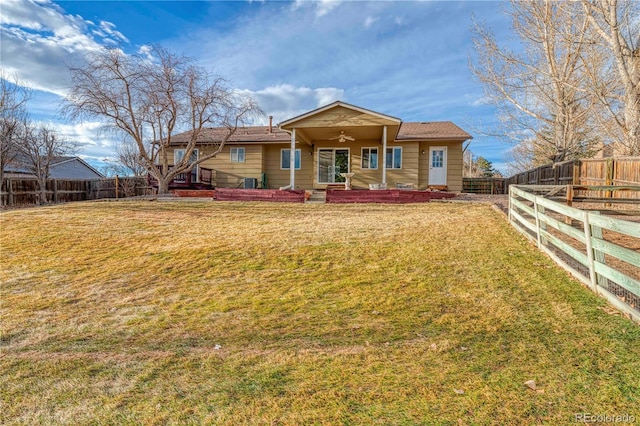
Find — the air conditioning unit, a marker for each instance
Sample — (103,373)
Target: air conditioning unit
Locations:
(250,183)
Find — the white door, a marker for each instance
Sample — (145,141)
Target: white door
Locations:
(438,165)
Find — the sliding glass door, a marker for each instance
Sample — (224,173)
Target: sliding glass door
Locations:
(332,162)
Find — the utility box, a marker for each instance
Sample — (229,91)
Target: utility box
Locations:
(250,183)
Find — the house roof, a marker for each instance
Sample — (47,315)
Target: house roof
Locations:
(66,167)
(63,167)
(437,130)
(338,104)
(249,134)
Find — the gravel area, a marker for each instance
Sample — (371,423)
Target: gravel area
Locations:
(501,200)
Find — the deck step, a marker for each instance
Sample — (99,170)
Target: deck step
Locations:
(318,197)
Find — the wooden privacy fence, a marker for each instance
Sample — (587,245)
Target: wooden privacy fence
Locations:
(613,171)
(25,191)
(602,252)
(483,185)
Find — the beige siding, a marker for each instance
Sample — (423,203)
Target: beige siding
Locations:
(277,177)
(266,158)
(409,171)
(363,177)
(454,164)
(231,175)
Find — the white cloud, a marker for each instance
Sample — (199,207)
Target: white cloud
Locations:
(326,6)
(107,29)
(369,21)
(40,41)
(285,101)
(323,7)
(484,100)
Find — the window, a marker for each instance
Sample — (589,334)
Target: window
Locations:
(437,158)
(237,155)
(394,158)
(178,155)
(369,158)
(285,159)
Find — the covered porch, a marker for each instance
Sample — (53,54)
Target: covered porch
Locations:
(345,144)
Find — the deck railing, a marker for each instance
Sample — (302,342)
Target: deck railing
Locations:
(201,176)
(600,251)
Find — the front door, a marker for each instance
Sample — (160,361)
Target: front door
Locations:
(438,165)
(332,162)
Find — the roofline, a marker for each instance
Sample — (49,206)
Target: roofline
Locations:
(89,166)
(335,104)
(241,142)
(439,138)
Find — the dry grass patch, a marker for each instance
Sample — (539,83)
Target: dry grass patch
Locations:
(251,313)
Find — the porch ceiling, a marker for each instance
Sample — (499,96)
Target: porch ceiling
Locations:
(358,133)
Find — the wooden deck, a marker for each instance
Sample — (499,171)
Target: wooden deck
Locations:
(387,196)
(205,180)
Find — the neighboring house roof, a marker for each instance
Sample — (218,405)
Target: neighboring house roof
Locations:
(72,168)
(67,167)
(431,130)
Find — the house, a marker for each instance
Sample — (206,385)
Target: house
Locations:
(334,143)
(65,167)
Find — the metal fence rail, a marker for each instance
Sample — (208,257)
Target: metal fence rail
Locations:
(600,251)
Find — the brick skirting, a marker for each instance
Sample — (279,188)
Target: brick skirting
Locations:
(234,194)
(389,196)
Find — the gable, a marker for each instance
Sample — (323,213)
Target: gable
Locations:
(340,114)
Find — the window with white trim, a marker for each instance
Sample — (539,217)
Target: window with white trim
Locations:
(237,155)
(369,158)
(285,159)
(394,157)
(178,155)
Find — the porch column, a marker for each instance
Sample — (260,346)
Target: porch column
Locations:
(292,160)
(383,157)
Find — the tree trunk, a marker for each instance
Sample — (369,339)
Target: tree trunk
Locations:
(163,185)
(42,186)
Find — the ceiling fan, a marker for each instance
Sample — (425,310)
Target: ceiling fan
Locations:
(342,137)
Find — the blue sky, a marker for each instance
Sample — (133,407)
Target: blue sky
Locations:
(406,59)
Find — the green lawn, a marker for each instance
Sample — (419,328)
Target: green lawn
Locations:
(283,314)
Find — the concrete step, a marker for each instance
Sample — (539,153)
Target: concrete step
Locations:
(317,197)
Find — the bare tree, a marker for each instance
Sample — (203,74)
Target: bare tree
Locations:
(13,116)
(150,100)
(38,149)
(128,161)
(538,92)
(613,63)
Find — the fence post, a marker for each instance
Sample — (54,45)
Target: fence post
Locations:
(510,205)
(116,187)
(567,219)
(10,199)
(55,191)
(535,210)
(576,173)
(609,179)
(598,255)
(590,258)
